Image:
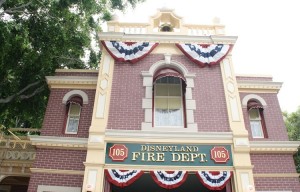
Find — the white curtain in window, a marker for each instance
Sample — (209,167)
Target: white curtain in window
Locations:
(73,118)
(256,129)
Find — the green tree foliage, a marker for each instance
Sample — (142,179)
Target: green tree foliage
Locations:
(292,123)
(37,37)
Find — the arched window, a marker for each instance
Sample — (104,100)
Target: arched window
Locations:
(169,103)
(256,117)
(73,115)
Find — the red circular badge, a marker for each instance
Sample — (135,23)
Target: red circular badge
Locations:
(219,154)
(118,152)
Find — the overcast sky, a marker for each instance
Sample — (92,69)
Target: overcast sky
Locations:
(268,35)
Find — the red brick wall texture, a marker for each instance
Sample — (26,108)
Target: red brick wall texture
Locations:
(274,163)
(59,159)
(273,118)
(126,111)
(54,124)
(54,180)
(277,184)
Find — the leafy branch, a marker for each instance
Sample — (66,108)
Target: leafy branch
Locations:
(23,96)
(16,9)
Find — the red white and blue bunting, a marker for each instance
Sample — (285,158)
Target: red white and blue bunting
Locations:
(214,180)
(169,179)
(205,55)
(122,178)
(128,51)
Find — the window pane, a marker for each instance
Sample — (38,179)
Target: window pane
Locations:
(161,103)
(254,114)
(175,117)
(175,103)
(168,102)
(256,129)
(161,90)
(72,125)
(74,109)
(175,90)
(161,117)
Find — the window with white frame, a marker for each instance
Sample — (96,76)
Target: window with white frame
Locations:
(168,102)
(255,123)
(256,118)
(154,117)
(73,115)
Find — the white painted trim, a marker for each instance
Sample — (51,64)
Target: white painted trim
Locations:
(267,85)
(181,135)
(101,106)
(147,100)
(275,144)
(80,80)
(46,188)
(72,93)
(253,75)
(253,96)
(76,70)
(58,141)
(162,64)
(161,38)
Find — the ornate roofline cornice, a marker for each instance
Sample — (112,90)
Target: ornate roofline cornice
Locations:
(253,75)
(160,38)
(246,85)
(89,82)
(59,142)
(274,146)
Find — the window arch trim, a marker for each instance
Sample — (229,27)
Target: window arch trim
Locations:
(147,103)
(73,93)
(254,97)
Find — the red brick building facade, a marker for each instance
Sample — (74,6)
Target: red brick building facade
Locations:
(119,105)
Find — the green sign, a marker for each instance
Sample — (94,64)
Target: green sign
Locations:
(168,154)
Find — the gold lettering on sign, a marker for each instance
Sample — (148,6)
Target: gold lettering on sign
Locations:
(160,157)
(175,157)
(143,147)
(169,148)
(188,157)
(158,153)
(151,156)
(135,155)
(202,157)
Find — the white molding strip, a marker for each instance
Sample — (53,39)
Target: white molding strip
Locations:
(159,38)
(59,142)
(249,84)
(80,80)
(274,146)
(169,134)
(57,171)
(276,175)
(76,71)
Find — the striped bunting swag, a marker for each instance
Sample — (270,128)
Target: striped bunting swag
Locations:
(122,178)
(128,51)
(169,179)
(214,180)
(205,55)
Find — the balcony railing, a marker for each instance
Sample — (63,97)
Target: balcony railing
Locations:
(187,29)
